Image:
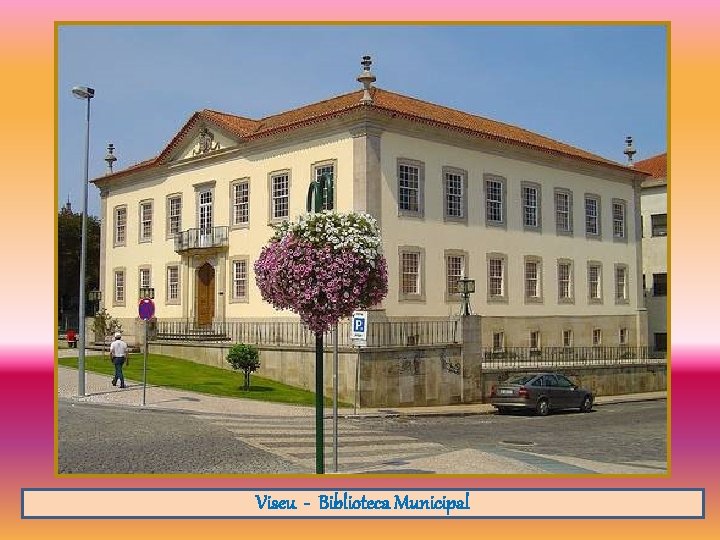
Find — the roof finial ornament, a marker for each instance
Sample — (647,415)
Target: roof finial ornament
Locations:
(110,158)
(366,78)
(629,150)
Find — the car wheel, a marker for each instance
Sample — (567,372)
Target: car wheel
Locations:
(502,410)
(587,404)
(543,407)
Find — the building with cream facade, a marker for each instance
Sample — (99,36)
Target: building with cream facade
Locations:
(550,233)
(654,248)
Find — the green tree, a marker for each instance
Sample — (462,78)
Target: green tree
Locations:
(246,358)
(68,259)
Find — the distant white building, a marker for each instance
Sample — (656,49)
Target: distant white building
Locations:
(549,232)
(654,248)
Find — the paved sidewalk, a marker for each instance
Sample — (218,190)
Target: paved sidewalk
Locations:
(99,390)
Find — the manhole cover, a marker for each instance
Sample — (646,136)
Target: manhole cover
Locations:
(518,443)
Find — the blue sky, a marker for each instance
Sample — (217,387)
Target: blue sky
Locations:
(588,86)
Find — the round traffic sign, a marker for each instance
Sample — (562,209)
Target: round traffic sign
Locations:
(146,309)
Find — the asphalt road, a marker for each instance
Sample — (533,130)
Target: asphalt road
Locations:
(620,433)
(108,439)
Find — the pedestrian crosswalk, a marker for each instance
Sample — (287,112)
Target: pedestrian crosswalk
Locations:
(293,438)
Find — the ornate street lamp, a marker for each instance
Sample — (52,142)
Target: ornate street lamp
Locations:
(466,287)
(95,297)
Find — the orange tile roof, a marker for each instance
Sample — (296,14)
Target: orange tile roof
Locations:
(656,166)
(384,102)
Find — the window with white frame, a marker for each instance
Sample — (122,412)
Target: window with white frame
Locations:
(535,339)
(173,284)
(280,191)
(454,194)
(597,337)
(241,203)
(621,283)
(455,266)
(144,278)
(120,225)
(409,186)
(594,282)
(532,278)
(119,288)
(329,170)
(567,338)
(146,217)
(174,210)
(592,215)
(623,336)
(239,279)
(410,268)
(494,200)
(496,277)
(563,211)
(565,292)
(618,212)
(531,206)
(498,341)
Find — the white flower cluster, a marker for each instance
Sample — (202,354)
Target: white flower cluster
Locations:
(358,232)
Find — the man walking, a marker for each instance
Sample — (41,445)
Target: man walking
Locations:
(118,356)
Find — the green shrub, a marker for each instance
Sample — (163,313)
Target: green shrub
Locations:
(104,325)
(246,358)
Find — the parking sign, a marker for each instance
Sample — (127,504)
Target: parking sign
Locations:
(358,330)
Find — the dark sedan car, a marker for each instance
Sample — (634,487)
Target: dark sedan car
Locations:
(541,392)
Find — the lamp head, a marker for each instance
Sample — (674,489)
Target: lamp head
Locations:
(83,92)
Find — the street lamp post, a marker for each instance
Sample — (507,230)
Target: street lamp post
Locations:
(83,92)
(466,287)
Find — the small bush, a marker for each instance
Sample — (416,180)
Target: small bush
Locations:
(104,325)
(246,358)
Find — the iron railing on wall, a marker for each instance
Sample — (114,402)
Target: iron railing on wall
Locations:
(294,333)
(557,357)
(201,238)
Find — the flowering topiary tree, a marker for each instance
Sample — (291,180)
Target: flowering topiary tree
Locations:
(323,267)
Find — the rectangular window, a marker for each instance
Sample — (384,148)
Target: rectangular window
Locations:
(498,341)
(174,209)
(496,276)
(119,296)
(494,201)
(621,284)
(623,336)
(659,224)
(618,212)
(120,225)
(409,188)
(173,284)
(567,337)
(146,216)
(329,171)
(563,211)
(660,284)
(410,262)
(597,337)
(240,279)
(660,341)
(280,190)
(455,266)
(594,282)
(564,281)
(241,203)
(144,278)
(531,206)
(454,195)
(535,339)
(592,215)
(532,279)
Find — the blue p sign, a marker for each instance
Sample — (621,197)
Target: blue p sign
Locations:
(358,325)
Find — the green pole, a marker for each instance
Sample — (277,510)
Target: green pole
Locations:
(319,432)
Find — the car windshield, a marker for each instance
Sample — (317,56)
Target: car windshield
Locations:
(521,380)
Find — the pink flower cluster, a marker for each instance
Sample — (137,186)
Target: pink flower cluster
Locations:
(319,283)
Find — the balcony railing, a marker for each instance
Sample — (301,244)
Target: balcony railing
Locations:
(211,237)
